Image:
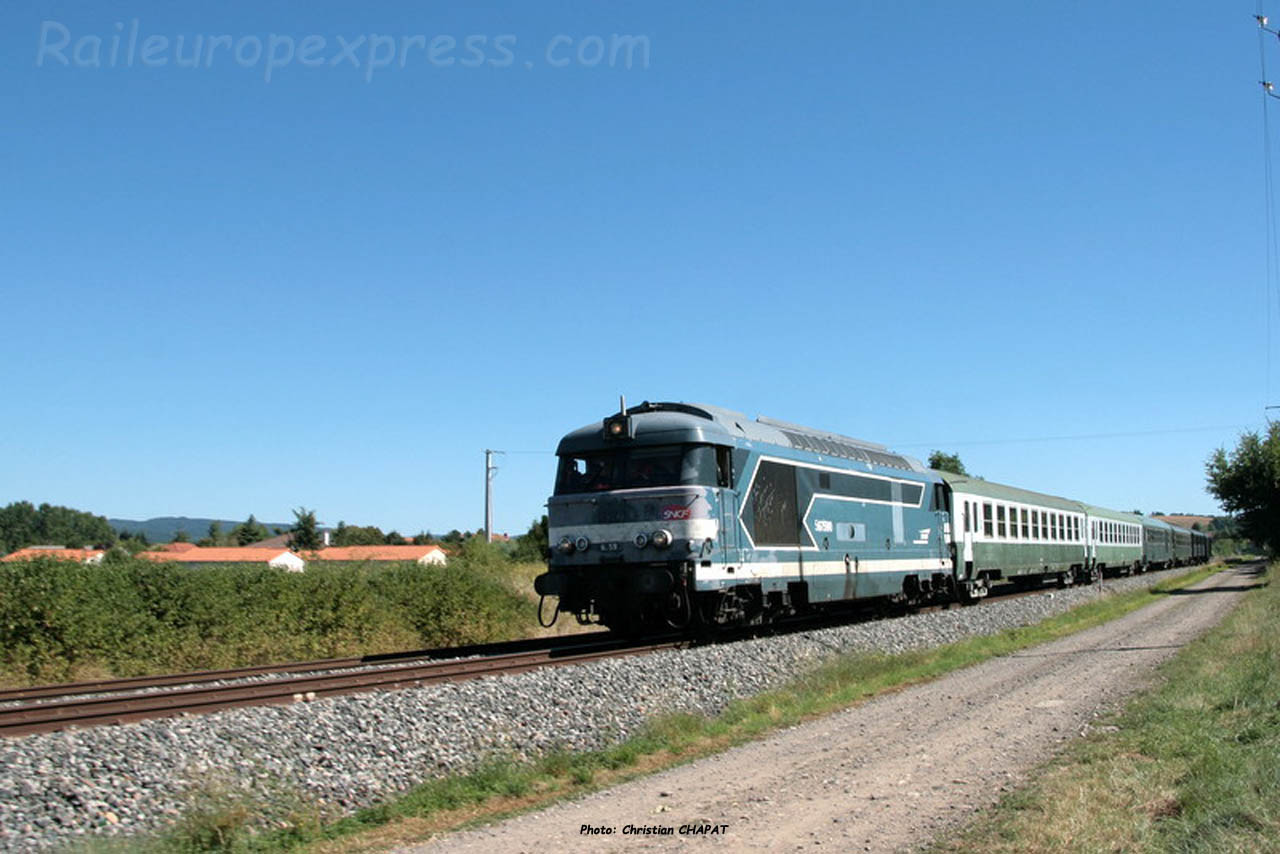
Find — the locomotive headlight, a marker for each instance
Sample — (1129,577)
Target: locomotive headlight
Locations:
(565,546)
(661,538)
(641,540)
(582,544)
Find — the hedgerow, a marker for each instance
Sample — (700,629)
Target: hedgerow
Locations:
(62,621)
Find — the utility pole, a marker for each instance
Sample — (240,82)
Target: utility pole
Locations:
(490,472)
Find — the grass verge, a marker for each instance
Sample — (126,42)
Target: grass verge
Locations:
(1193,765)
(504,788)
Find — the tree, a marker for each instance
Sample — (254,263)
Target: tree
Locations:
(393,538)
(19,526)
(305,534)
(940,461)
(532,545)
(22,524)
(248,532)
(134,543)
(1246,483)
(215,537)
(358,535)
(180,536)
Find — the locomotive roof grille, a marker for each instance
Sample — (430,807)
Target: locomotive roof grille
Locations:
(835,448)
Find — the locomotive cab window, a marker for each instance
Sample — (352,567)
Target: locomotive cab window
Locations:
(639,467)
(724,466)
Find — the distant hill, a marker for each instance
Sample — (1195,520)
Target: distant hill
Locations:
(162,529)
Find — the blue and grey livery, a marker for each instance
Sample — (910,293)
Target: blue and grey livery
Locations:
(671,514)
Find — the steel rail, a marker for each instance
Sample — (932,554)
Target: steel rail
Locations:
(68,689)
(93,711)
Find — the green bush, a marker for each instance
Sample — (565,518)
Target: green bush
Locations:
(61,620)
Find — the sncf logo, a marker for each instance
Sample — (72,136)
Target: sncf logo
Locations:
(675,512)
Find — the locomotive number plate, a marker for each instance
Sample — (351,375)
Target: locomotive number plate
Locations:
(611,547)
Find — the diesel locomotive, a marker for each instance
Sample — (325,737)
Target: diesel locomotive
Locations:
(674,515)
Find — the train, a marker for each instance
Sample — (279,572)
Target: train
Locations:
(675,516)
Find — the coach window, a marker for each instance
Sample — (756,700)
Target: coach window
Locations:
(1035,524)
(988,520)
(1000,529)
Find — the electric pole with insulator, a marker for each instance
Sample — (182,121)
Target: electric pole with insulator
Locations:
(490,472)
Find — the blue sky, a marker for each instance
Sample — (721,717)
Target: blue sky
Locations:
(929,225)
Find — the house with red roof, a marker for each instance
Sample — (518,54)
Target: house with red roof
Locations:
(198,555)
(91,556)
(424,555)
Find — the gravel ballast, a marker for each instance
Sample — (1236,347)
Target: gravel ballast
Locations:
(347,752)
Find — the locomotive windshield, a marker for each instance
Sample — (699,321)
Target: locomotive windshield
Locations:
(637,467)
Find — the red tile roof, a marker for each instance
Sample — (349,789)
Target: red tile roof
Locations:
(219,555)
(175,547)
(373,553)
(57,554)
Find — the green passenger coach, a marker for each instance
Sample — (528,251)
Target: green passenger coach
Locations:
(1003,533)
(1115,540)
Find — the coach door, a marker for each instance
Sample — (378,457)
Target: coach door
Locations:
(968,524)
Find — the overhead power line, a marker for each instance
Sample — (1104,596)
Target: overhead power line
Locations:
(1072,438)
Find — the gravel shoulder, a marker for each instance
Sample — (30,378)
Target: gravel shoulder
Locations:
(891,774)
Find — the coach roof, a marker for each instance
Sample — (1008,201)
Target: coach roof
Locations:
(1001,492)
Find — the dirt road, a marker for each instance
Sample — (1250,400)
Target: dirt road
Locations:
(890,774)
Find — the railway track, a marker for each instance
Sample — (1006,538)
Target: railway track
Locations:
(56,707)
(50,708)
